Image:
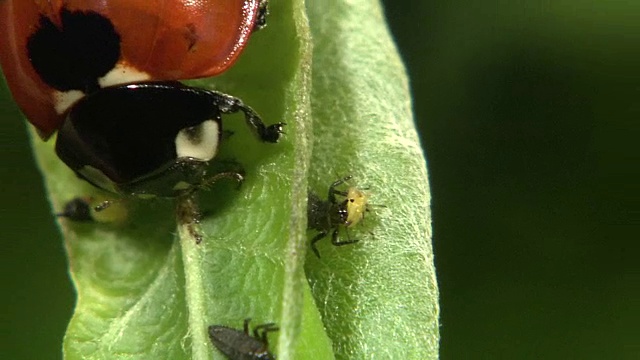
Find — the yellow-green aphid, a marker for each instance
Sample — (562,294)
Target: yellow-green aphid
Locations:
(357,203)
(330,215)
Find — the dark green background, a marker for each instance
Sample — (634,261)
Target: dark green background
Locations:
(527,111)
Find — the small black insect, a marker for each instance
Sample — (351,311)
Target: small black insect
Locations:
(77,209)
(330,214)
(240,345)
(82,209)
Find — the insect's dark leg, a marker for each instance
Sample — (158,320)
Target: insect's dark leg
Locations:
(260,331)
(315,239)
(333,193)
(228,105)
(229,175)
(336,242)
(332,189)
(261,19)
(246,325)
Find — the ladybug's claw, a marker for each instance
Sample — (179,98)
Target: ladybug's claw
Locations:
(228,105)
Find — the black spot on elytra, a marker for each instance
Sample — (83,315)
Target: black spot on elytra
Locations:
(73,56)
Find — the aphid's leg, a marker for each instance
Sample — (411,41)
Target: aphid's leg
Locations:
(228,105)
(333,193)
(246,325)
(260,331)
(336,242)
(261,19)
(315,239)
(332,189)
(188,214)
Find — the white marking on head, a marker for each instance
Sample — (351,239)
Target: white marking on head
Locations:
(198,142)
(122,74)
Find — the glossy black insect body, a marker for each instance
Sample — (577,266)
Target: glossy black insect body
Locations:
(240,345)
(152,139)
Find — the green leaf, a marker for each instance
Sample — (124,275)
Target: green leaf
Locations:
(379,298)
(147,291)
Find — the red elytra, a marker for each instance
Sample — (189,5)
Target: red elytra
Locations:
(162,39)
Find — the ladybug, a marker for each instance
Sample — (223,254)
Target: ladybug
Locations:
(104,75)
(240,345)
(331,214)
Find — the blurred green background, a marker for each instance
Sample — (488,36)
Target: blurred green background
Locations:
(528,113)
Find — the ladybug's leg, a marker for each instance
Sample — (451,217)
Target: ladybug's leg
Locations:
(229,168)
(246,325)
(230,175)
(228,105)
